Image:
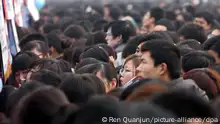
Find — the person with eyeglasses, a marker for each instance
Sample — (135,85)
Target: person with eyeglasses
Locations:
(129,71)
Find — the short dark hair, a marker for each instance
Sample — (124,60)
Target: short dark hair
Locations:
(47,28)
(184,104)
(96,52)
(48,64)
(72,55)
(164,52)
(109,50)
(39,45)
(15,97)
(4,96)
(157,13)
(115,12)
(193,31)
(96,108)
(207,16)
(75,31)
(46,77)
(191,43)
(99,25)
(40,106)
(79,88)
(167,23)
(210,42)
(197,59)
(123,28)
(32,37)
(106,69)
(96,38)
(23,61)
(86,61)
(55,41)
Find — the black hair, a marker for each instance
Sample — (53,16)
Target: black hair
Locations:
(210,42)
(157,13)
(174,36)
(23,61)
(43,106)
(46,77)
(4,96)
(123,28)
(164,52)
(86,24)
(32,37)
(109,50)
(159,35)
(65,22)
(197,59)
(184,104)
(185,50)
(207,16)
(99,25)
(128,50)
(115,12)
(179,24)
(47,28)
(96,38)
(38,45)
(96,109)
(64,65)
(193,31)
(191,43)
(79,88)
(107,70)
(48,64)
(86,61)
(75,31)
(170,15)
(188,17)
(55,41)
(96,52)
(15,97)
(167,23)
(72,55)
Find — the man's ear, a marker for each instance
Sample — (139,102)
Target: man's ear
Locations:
(163,68)
(119,38)
(114,83)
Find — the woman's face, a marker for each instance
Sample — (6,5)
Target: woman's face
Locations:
(128,72)
(21,76)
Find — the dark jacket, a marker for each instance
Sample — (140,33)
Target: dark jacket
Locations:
(188,85)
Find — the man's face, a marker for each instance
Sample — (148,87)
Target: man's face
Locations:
(147,21)
(202,22)
(147,69)
(110,38)
(106,13)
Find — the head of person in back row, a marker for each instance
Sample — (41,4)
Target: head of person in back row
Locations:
(118,34)
(160,59)
(205,19)
(151,17)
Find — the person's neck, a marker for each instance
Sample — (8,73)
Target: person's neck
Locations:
(165,78)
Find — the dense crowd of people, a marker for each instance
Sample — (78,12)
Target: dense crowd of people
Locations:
(94,65)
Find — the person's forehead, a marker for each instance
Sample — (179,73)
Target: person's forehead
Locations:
(200,19)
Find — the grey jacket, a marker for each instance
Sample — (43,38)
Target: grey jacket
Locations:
(188,85)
